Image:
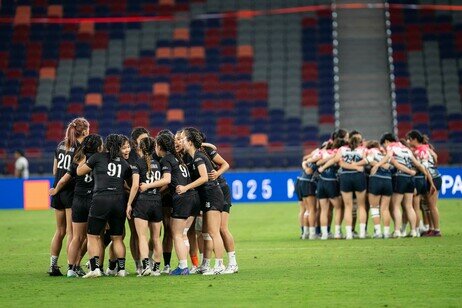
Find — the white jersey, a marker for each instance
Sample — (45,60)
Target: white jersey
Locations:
(22,167)
(401,154)
(352,156)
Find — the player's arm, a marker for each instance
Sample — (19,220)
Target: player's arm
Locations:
(84,168)
(164,181)
(133,192)
(358,166)
(434,155)
(224,166)
(209,145)
(330,162)
(384,160)
(203,178)
(402,167)
(61,183)
(55,166)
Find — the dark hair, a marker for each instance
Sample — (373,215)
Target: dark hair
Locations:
(339,134)
(372,144)
(387,137)
(74,131)
(90,145)
(404,142)
(167,144)
(113,144)
(192,134)
(20,152)
(338,143)
(165,131)
(147,148)
(354,132)
(415,134)
(204,137)
(355,141)
(138,131)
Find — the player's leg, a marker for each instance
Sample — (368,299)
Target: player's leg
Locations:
(57,242)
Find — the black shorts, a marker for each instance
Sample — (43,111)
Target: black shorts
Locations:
(63,200)
(81,207)
(167,200)
(227,196)
(185,205)
(107,209)
(354,181)
(403,185)
(437,182)
(327,189)
(420,185)
(149,209)
(298,190)
(211,199)
(379,186)
(307,188)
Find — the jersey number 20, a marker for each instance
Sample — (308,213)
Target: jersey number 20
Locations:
(64,161)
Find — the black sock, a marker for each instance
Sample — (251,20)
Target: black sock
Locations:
(318,230)
(156,266)
(301,228)
(112,264)
(121,263)
(167,257)
(145,263)
(94,263)
(70,267)
(328,229)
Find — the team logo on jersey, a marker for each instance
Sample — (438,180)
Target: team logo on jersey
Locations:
(207,204)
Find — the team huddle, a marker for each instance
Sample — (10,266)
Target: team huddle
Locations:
(390,179)
(172,182)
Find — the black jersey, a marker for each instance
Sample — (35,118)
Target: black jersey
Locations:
(83,183)
(211,153)
(109,175)
(149,176)
(64,157)
(179,173)
(193,164)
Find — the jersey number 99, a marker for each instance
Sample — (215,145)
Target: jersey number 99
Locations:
(114,170)
(152,176)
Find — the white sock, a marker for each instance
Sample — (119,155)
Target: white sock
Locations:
(183,264)
(427,227)
(218,263)
(324,230)
(377,229)
(338,229)
(349,230)
(386,230)
(232,258)
(312,230)
(306,230)
(205,262)
(53,260)
(201,257)
(362,229)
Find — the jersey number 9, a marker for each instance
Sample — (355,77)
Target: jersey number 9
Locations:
(114,170)
(184,171)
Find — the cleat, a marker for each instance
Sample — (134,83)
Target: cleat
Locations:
(305,236)
(362,235)
(215,271)
(231,269)
(355,234)
(155,272)
(93,274)
(122,273)
(179,271)
(80,272)
(139,271)
(325,236)
(330,235)
(110,272)
(202,269)
(397,234)
(72,274)
(166,270)
(313,236)
(338,236)
(386,236)
(54,271)
(436,233)
(146,272)
(193,269)
(413,233)
(87,265)
(378,235)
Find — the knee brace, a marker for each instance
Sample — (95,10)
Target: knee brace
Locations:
(206,237)
(375,212)
(185,231)
(198,224)
(424,206)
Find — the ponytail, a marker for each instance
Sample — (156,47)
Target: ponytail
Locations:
(90,145)
(147,148)
(74,131)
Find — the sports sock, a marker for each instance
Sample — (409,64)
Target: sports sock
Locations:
(386,230)
(218,262)
(305,230)
(70,267)
(328,229)
(301,229)
(195,260)
(145,263)
(205,262)
(121,263)
(232,258)
(324,230)
(201,257)
(183,264)
(94,263)
(138,264)
(377,229)
(312,231)
(427,227)
(167,257)
(112,264)
(54,261)
(349,231)
(318,230)
(362,229)
(338,229)
(156,266)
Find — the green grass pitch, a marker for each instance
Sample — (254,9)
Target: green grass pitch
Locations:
(276,268)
